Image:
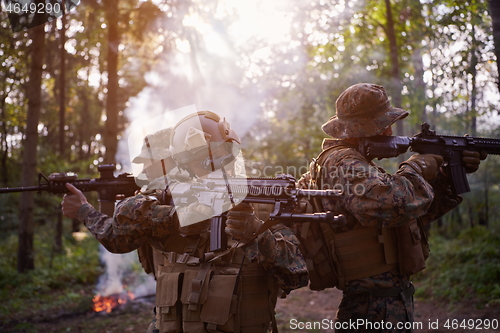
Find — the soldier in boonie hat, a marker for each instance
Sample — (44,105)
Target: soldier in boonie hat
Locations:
(384,241)
(363,110)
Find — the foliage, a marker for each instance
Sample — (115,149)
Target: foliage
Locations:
(466,268)
(59,283)
(447,80)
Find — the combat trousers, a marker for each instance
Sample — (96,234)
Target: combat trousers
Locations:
(384,310)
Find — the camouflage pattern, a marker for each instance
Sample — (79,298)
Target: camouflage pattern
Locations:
(142,217)
(136,218)
(373,198)
(375,309)
(279,245)
(363,110)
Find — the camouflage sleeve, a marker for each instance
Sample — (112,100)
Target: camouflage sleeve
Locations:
(135,219)
(375,198)
(278,252)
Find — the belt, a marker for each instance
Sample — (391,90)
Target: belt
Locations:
(404,292)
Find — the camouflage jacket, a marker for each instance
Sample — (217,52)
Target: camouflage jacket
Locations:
(374,198)
(140,219)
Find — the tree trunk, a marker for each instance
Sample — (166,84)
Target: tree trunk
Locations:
(25,260)
(111,133)
(62,115)
(4,176)
(396,93)
(473,95)
(484,220)
(62,82)
(495,16)
(420,86)
(58,239)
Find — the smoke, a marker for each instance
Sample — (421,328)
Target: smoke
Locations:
(213,64)
(205,71)
(123,273)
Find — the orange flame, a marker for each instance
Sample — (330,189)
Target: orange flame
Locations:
(108,303)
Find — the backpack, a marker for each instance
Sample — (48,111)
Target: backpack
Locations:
(317,251)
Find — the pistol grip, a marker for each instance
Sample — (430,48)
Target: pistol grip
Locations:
(459,182)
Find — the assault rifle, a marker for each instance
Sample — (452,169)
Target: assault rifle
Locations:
(217,192)
(107,185)
(220,193)
(428,142)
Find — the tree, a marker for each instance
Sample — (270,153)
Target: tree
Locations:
(111,134)
(34,92)
(494,7)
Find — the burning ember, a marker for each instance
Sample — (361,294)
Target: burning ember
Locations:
(108,303)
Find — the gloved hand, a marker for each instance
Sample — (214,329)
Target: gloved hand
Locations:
(471,159)
(195,218)
(242,223)
(427,165)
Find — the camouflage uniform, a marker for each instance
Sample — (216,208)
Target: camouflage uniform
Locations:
(379,200)
(198,290)
(377,206)
(273,258)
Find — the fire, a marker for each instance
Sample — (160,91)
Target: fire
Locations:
(108,303)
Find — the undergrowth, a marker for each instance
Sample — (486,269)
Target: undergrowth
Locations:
(60,283)
(466,268)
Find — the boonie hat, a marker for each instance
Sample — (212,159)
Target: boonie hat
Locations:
(363,110)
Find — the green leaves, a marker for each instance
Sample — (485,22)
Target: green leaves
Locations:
(470,262)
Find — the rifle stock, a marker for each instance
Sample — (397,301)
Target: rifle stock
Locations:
(428,142)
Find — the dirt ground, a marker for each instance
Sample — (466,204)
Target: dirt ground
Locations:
(301,306)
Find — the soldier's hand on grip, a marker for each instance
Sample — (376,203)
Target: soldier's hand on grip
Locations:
(471,159)
(72,201)
(427,165)
(242,223)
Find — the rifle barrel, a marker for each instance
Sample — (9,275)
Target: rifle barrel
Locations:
(21,189)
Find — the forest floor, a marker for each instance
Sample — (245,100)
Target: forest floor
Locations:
(301,308)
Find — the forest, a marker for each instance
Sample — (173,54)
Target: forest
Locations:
(72,86)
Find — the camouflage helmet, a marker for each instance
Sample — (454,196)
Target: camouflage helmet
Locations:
(363,110)
(198,133)
(155,147)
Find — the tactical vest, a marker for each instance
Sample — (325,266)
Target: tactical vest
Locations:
(335,258)
(227,294)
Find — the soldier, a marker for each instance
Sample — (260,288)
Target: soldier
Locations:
(200,291)
(384,241)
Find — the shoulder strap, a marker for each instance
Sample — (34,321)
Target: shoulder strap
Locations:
(315,170)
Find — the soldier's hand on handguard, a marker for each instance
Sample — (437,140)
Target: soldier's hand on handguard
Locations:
(196,216)
(471,159)
(72,201)
(242,223)
(427,165)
